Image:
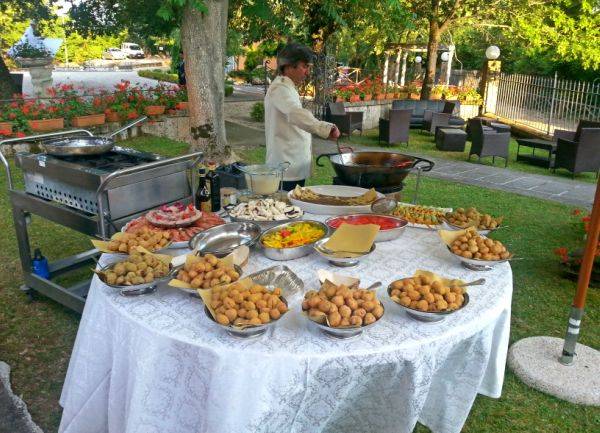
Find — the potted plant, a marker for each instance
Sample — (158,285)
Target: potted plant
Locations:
(413,91)
(436,92)
(182,99)
(5,125)
(43,117)
(77,110)
(355,94)
(402,92)
(38,60)
(469,96)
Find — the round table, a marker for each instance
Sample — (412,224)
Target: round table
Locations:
(156,364)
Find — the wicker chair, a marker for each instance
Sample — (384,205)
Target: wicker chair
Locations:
(488,143)
(347,122)
(433,119)
(395,129)
(582,152)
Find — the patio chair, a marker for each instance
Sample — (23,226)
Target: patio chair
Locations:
(432,119)
(581,154)
(347,122)
(395,129)
(488,143)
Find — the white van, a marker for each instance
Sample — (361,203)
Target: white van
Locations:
(133,51)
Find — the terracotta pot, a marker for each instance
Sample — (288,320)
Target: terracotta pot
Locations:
(45,125)
(182,105)
(389,96)
(113,116)
(397,95)
(154,110)
(414,95)
(6,126)
(435,97)
(354,98)
(380,96)
(90,120)
(368,97)
(339,99)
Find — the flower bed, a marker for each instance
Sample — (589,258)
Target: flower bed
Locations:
(80,108)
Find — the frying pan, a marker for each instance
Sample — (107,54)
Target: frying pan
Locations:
(374,169)
(94,145)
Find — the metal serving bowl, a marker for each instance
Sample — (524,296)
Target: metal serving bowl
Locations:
(222,240)
(428,316)
(339,261)
(292,252)
(382,235)
(343,333)
(136,289)
(250,331)
(477,264)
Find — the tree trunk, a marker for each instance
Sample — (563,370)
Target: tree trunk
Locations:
(203,37)
(7,85)
(432,47)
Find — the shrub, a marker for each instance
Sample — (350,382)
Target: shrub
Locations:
(157,74)
(258,112)
(228,89)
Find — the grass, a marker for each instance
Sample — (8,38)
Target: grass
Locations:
(37,338)
(422,142)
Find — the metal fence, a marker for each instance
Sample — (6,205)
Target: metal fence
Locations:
(545,103)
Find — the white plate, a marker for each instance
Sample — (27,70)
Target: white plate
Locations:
(423,226)
(336,190)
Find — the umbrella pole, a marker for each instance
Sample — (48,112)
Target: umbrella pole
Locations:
(583,281)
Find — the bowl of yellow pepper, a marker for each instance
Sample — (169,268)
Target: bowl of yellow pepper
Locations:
(292,240)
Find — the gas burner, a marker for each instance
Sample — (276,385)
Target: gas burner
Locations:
(110,161)
(383,190)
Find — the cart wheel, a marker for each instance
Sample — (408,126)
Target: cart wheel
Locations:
(30,293)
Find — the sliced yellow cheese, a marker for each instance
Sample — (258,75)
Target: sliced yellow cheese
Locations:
(353,238)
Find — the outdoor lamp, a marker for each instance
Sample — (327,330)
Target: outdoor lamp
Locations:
(418,59)
(492,52)
(446,56)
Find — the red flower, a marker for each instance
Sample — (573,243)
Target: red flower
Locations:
(586,219)
(562,251)
(66,87)
(5,132)
(20,134)
(12,116)
(132,115)
(577,212)
(14,104)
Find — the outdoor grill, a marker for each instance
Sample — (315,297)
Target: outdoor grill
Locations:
(93,194)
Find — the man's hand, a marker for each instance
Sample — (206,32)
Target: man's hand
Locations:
(334,134)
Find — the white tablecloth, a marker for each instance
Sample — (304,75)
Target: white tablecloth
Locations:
(156,364)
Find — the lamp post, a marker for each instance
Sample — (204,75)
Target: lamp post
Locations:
(489,73)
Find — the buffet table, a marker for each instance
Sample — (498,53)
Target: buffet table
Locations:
(156,364)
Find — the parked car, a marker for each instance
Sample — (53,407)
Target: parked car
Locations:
(133,51)
(114,53)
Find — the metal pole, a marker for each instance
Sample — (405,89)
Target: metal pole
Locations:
(582,283)
(552,102)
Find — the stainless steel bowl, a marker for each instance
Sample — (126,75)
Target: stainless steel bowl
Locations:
(293,252)
(251,331)
(194,292)
(382,235)
(343,333)
(428,316)
(222,240)
(265,225)
(340,261)
(136,289)
(477,264)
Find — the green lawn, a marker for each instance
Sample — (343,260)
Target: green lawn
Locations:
(37,338)
(422,142)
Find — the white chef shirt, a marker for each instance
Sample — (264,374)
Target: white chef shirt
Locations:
(288,127)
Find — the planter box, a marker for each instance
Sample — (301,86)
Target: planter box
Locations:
(402,95)
(45,125)
(415,96)
(89,120)
(389,96)
(6,126)
(380,97)
(154,110)
(367,97)
(113,117)
(435,97)
(182,105)
(354,98)
(33,63)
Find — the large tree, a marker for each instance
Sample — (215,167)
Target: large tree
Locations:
(20,10)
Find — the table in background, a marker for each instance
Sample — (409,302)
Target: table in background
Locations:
(157,364)
(536,143)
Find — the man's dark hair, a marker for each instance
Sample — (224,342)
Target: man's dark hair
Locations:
(292,54)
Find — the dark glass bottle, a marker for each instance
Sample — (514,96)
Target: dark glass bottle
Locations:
(215,187)
(202,199)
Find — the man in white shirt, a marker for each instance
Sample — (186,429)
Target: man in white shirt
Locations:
(288,126)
